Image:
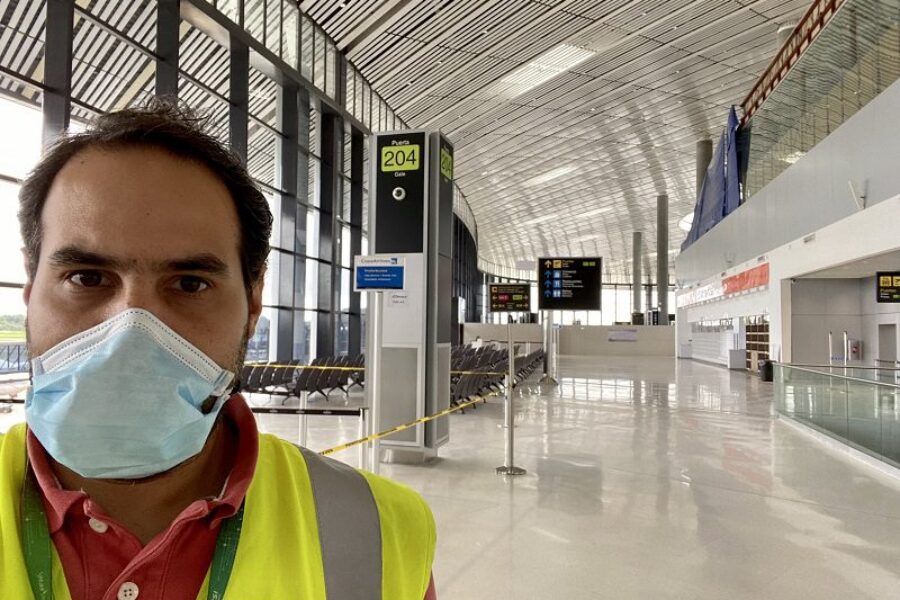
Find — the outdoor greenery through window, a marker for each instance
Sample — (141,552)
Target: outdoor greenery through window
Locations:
(20,148)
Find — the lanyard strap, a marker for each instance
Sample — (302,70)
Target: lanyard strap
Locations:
(36,540)
(39,558)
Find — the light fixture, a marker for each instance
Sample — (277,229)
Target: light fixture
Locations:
(549,175)
(686,222)
(597,211)
(545,67)
(541,219)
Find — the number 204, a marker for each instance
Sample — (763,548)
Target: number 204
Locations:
(400,159)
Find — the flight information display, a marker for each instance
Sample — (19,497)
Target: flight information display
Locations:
(888,286)
(569,283)
(510,297)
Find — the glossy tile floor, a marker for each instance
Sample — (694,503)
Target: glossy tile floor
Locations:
(652,478)
(647,478)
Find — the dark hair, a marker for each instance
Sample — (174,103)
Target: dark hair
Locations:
(165,125)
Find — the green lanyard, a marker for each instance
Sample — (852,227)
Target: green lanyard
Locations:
(38,555)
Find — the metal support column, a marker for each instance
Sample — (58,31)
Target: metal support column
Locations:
(662,257)
(57,69)
(168,24)
(239,95)
(330,199)
(286,155)
(636,263)
(373,375)
(704,157)
(357,147)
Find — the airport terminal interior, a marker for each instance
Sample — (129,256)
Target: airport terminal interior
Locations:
(614,285)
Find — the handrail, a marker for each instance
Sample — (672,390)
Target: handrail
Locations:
(806,31)
(861,368)
(839,376)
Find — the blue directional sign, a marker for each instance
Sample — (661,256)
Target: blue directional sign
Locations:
(379,273)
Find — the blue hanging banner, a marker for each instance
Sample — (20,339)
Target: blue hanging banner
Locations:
(720,194)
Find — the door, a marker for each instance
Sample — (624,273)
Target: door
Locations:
(887,344)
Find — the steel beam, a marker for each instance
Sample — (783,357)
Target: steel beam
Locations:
(239,97)
(168,41)
(57,106)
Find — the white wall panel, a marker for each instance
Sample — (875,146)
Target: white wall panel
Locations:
(577,340)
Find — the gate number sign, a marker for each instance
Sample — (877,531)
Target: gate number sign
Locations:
(400,158)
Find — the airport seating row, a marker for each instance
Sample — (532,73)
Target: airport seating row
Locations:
(474,372)
(292,379)
(483,370)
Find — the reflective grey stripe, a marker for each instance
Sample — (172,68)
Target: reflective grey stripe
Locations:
(349,529)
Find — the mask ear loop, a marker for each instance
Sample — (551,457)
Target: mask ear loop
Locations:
(208,405)
(220,390)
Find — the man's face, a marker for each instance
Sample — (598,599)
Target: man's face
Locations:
(141,228)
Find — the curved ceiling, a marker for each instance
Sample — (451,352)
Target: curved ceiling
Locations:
(569,116)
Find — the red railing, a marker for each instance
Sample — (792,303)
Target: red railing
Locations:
(810,26)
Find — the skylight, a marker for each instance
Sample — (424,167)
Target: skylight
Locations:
(540,70)
(549,175)
(541,219)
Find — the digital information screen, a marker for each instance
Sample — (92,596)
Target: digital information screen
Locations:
(510,297)
(888,286)
(569,283)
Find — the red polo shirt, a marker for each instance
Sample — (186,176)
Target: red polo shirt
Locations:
(104,561)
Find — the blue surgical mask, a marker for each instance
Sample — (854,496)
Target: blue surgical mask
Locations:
(123,400)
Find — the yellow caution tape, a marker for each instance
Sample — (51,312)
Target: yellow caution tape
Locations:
(359,369)
(476,373)
(313,367)
(399,428)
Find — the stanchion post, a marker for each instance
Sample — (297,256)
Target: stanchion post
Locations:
(846,349)
(830,348)
(548,378)
(304,428)
(556,333)
(508,467)
(363,432)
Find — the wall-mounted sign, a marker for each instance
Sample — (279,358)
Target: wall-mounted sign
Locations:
(743,282)
(888,286)
(379,273)
(510,297)
(623,335)
(569,283)
(747,280)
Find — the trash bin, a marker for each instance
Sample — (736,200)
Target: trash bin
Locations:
(766,370)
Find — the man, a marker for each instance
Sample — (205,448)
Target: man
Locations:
(141,472)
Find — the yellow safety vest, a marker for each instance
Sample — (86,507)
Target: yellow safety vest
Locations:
(377,537)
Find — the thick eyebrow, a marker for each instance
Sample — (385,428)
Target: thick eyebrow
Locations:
(73,255)
(69,256)
(203,263)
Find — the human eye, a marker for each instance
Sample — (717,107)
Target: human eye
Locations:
(191,284)
(88,279)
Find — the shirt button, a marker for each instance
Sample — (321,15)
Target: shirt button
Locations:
(128,591)
(97,525)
